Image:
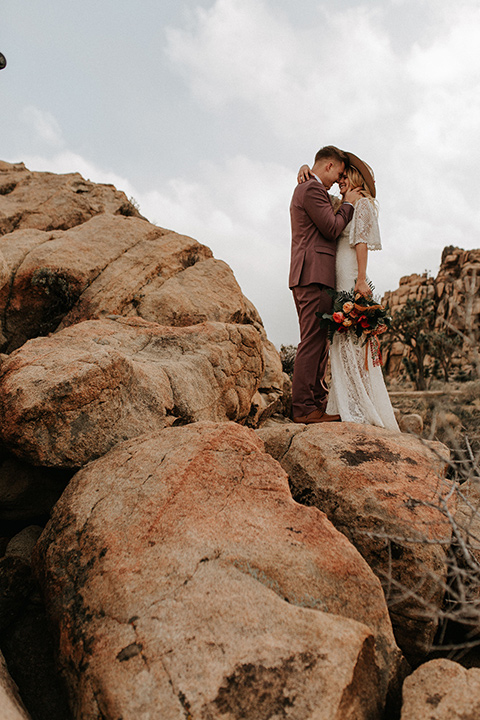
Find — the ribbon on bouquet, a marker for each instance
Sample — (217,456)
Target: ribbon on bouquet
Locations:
(373,343)
(367,308)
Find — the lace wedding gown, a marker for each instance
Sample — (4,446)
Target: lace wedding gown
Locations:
(357,394)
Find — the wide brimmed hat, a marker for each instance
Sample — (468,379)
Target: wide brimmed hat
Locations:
(365,171)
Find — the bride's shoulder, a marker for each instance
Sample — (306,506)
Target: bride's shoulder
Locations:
(366,205)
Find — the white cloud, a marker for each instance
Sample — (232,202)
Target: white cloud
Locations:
(44,125)
(297,79)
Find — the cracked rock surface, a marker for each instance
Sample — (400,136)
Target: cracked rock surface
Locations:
(184,582)
(382,490)
(69,398)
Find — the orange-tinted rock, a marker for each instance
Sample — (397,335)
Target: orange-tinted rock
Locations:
(180,574)
(97,268)
(381,489)
(69,398)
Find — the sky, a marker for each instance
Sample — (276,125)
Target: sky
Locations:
(203,111)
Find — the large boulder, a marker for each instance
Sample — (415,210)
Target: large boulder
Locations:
(384,491)
(442,690)
(69,398)
(97,268)
(172,280)
(183,580)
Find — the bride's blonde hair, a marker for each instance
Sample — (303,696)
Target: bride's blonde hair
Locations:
(356,178)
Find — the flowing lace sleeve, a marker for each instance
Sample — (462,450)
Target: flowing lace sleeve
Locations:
(364,227)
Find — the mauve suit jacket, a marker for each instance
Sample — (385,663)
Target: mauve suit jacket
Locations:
(315,229)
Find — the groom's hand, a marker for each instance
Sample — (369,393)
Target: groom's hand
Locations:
(352,195)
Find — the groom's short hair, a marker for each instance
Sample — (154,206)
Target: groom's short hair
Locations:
(330,152)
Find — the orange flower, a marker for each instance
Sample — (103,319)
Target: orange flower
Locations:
(348,307)
(347,322)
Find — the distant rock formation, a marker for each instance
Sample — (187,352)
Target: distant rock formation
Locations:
(456,296)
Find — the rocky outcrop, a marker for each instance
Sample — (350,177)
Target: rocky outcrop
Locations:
(69,398)
(46,201)
(227,597)
(384,491)
(442,690)
(455,293)
(113,265)
(72,251)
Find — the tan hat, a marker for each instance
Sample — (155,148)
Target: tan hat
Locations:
(365,171)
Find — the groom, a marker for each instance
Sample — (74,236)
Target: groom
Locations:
(315,229)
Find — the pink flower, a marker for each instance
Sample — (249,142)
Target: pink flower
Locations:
(338,317)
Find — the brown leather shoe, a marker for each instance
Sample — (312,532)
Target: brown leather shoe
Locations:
(317,416)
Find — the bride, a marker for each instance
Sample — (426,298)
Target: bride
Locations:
(358,394)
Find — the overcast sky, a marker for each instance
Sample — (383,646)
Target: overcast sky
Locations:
(203,110)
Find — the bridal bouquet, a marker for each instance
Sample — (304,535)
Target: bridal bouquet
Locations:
(362,316)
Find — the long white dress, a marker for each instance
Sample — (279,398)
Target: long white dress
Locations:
(356,394)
